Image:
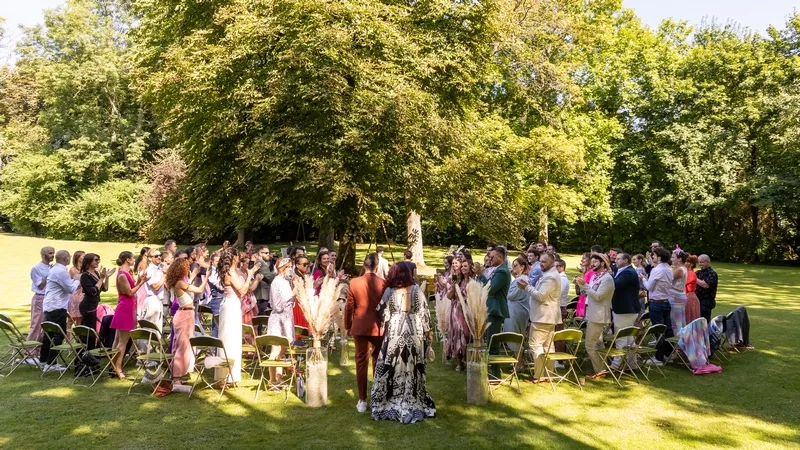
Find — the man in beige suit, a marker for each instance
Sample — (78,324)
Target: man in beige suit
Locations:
(599,292)
(545,312)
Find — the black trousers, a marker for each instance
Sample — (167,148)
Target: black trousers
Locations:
(706,313)
(58,316)
(89,319)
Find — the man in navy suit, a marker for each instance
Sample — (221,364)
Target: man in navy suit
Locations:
(625,302)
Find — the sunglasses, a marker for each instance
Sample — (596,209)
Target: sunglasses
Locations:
(303,264)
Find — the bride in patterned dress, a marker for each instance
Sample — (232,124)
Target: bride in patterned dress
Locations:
(398,390)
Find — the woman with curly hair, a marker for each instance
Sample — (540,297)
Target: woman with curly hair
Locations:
(235,286)
(179,283)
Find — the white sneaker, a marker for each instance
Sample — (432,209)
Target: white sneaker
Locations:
(654,362)
(361,406)
(559,365)
(53,368)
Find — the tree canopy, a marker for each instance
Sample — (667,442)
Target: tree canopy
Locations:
(496,121)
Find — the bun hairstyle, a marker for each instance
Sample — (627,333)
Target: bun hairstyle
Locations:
(123,257)
(226,260)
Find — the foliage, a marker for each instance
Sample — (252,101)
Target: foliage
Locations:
(71,126)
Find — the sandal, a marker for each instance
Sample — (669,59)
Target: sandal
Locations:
(596,376)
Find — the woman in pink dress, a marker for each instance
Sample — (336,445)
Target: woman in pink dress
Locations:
(73,311)
(124,320)
(322,267)
(182,289)
(692,302)
(588,273)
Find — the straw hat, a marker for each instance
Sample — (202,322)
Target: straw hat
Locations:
(602,257)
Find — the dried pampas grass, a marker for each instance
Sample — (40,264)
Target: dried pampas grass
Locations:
(319,310)
(442,313)
(475,310)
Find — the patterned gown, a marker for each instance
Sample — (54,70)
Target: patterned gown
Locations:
(398,390)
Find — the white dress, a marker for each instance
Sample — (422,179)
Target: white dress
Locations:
(281,298)
(230,332)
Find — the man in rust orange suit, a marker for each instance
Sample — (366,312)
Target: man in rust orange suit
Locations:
(362,322)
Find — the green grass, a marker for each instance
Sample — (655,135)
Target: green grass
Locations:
(753,403)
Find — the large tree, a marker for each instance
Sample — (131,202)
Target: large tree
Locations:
(73,125)
(318,110)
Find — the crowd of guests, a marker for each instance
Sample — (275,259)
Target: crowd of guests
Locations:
(612,287)
(381,309)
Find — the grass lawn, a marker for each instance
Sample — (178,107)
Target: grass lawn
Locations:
(753,403)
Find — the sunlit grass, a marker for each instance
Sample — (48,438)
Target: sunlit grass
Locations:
(752,404)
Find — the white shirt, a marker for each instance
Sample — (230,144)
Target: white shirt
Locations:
(156,275)
(59,288)
(383,268)
(565,285)
(38,273)
(659,283)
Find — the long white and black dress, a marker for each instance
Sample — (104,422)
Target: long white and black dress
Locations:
(398,390)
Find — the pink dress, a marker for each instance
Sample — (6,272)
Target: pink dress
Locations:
(580,311)
(125,314)
(75,300)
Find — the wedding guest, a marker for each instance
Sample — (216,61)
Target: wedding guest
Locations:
(692,302)
(457,328)
(156,293)
(322,268)
(707,280)
(599,292)
(124,320)
(230,313)
(659,285)
(362,322)
(73,310)
(170,246)
(545,312)
(249,303)
(519,300)
(677,298)
(267,272)
(497,302)
(587,275)
(399,389)
(536,268)
(94,280)
(300,281)
(38,282)
(281,320)
(58,289)
(625,302)
(383,264)
(178,280)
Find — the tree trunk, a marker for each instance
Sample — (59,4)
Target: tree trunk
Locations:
(241,238)
(346,256)
(326,235)
(414,235)
(543,219)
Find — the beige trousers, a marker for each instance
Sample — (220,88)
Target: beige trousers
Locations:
(540,337)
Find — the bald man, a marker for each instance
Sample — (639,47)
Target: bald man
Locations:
(38,281)
(706,286)
(58,290)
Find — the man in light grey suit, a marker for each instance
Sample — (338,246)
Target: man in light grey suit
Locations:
(545,312)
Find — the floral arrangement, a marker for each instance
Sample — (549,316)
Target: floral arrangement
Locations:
(475,309)
(319,310)
(442,312)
